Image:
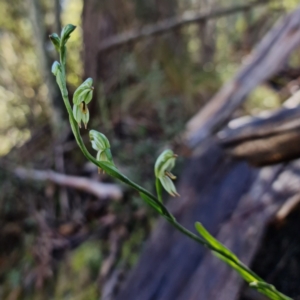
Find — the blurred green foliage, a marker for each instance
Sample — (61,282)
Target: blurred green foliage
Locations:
(156,88)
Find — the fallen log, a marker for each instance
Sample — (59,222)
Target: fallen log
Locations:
(268,58)
(264,139)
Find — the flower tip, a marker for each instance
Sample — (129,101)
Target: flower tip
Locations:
(170,175)
(99,171)
(174,194)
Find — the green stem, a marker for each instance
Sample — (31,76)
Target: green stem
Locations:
(211,247)
(158,190)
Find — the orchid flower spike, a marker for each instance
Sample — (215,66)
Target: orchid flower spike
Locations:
(162,169)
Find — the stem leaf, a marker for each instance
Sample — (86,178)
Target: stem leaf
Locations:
(214,242)
(150,202)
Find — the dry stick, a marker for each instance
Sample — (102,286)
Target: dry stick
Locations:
(100,190)
(288,206)
(170,24)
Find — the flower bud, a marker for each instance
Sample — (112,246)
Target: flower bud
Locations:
(65,34)
(55,41)
(55,68)
(84,92)
(162,169)
(99,140)
(101,144)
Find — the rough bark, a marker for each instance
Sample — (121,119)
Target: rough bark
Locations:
(98,24)
(90,34)
(207,31)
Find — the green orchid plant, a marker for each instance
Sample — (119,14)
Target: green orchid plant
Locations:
(163,166)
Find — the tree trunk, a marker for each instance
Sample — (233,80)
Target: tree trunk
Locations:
(207,31)
(56,105)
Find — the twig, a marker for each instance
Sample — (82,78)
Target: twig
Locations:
(170,24)
(100,190)
(287,207)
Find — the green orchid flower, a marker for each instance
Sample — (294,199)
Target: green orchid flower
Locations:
(101,144)
(81,113)
(162,169)
(84,93)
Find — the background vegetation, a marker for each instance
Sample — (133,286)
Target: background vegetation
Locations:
(60,243)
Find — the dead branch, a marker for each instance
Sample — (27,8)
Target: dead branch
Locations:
(260,126)
(287,207)
(268,138)
(268,58)
(100,190)
(172,23)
